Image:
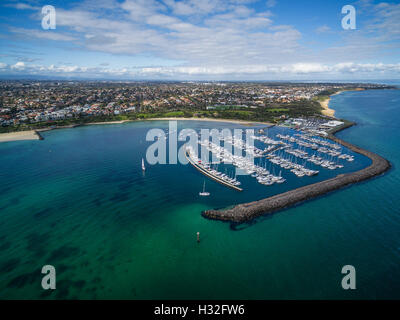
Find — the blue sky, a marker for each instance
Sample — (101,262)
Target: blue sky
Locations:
(200,39)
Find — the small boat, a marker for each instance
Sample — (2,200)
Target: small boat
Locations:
(143,167)
(204,193)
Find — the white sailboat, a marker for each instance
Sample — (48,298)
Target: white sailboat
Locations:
(204,193)
(143,167)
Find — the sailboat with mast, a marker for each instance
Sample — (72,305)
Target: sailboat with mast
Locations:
(143,167)
(204,193)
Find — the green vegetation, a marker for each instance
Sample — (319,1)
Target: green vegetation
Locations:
(174,114)
(320,98)
(278,110)
(225,107)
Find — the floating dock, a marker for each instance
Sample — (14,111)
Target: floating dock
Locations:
(209,174)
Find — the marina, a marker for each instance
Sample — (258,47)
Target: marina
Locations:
(245,164)
(302,155)
(248,211)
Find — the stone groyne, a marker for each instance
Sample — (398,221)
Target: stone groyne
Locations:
(38,131)
(248,211)
(39,135)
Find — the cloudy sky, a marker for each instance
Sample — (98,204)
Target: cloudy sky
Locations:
(200,40)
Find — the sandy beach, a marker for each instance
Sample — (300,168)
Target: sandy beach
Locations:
(327,111)
(19,136)
(109,122)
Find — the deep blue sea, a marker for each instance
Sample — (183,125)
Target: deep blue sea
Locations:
(79,200)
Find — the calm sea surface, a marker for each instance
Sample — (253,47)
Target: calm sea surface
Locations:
(79,201)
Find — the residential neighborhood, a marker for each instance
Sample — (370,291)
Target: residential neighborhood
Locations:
(47,101)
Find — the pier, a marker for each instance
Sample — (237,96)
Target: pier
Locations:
(248,211)
(209,174)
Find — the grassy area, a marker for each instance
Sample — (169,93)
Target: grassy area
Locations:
(225,107)
(320,98)
(278,110)
(174,114)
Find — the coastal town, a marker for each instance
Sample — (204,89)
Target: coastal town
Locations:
(31,104)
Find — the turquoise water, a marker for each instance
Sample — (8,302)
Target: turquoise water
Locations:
(78,200)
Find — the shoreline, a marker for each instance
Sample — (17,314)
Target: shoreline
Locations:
(243,122)
(20,136)
(248,211)
(326,110)
(329,112)
(35,134)
(106,122)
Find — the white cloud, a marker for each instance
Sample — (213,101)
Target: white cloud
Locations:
(232,32)
(215,37)
(18,66)
(251,71)
(42,34)
(22,6)
(323,29)
(273,72)
(387,21)
(308,68)
(271,3)
(198,7)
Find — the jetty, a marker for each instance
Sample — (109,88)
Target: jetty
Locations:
(39,135)
(248,211)
(208,173)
